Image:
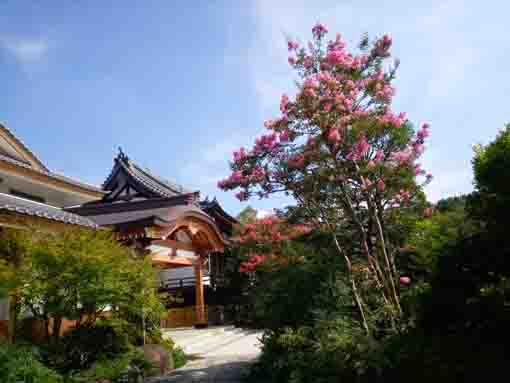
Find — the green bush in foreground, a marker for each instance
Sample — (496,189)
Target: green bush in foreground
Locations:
(19,364)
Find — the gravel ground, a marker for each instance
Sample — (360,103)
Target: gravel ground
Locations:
(220,355)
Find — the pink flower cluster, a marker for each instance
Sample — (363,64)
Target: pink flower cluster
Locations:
(319,30)
(427,212)
(240,155)
(238,178)
(402,196)
(251,264)
(402,157)
(292,45)
(266,142)
(297,161)
(284,103)
(334,135)
(391,119)
(382,46)
(359,150)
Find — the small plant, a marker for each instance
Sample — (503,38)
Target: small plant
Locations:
(179,357)
(20,364)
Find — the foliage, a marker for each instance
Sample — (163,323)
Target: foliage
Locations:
(491,201)
(83,346)
(263,239)
(20,364)
(247,215)
(345,157)
(111,369)
(179,357)
(105,369)
(75,274)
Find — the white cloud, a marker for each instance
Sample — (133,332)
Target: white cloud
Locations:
(25,50)
(262,213)
(210,165)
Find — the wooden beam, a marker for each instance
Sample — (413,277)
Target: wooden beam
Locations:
(199,293)
(169,262)
(172,244)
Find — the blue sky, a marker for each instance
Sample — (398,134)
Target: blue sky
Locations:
(180,84)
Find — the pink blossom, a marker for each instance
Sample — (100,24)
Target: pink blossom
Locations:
(307,62)
(371,164)
(382,46)
(284,135)
(381,185)
(427,212)
(291,60)
(334,135)
(292,45)
(335,57)
(423,132)
(418,149)
(401,156)
(319,30)
(239,155)
(405,280)
(297,161)
(269,124)
(284,103)
(310,82)
(429,176)
(379,155)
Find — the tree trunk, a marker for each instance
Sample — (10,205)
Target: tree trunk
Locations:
(13,317)
(57,324)
(355,292)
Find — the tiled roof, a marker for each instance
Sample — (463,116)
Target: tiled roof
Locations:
(22,144)
(50,174)
(24,206)
(213,207)
(155,184)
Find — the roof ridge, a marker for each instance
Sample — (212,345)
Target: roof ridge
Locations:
(23,146)
(33,208)
(50,174)
(163,181)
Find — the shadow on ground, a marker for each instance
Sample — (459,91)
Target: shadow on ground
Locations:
(228,372)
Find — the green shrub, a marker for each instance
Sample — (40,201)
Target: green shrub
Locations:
(179,357)
(81,347)
(20,364)
(112,369)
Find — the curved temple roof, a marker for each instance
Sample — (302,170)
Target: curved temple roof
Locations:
(24,206)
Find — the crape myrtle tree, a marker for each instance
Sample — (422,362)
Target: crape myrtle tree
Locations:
(345,156)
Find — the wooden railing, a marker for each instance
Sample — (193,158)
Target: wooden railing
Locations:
(175,283)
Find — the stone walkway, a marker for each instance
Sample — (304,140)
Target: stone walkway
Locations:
(220,355)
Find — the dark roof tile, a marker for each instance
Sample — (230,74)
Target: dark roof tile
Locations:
(24,206)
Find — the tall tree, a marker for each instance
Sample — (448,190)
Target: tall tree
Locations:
(345,156)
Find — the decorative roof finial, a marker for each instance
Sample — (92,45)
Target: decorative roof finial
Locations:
(122,155)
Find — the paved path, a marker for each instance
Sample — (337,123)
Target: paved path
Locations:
(223,354)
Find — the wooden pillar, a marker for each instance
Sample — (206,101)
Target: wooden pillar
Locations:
(199,293)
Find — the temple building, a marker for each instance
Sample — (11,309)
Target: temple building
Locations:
(183,235)
(32,195)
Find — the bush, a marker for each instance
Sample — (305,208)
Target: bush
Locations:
(307,355)
(179,357)
(83,346)
(20,364)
